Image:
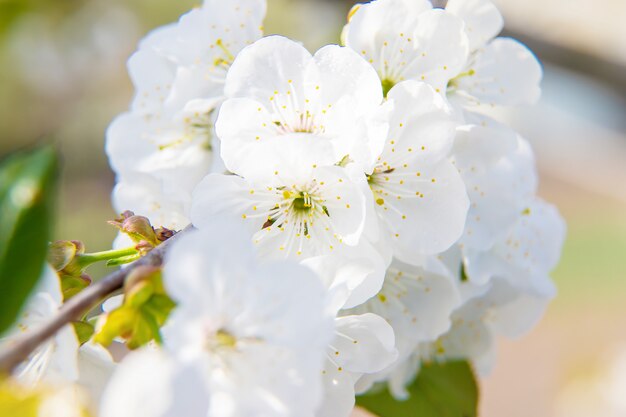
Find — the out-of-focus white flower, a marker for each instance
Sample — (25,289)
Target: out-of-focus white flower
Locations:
(526,254)
(416,302)
(95,368)
(64,401)
(363,344)
(507,302)
(55,360)
(499,71)
(483,20)
(150,383)
(255,336)
(514,286)
(502,311)
(408,40)
(167,138)
(498,168)
(279,93)
(418,194)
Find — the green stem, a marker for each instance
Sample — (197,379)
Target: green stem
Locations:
(87,259)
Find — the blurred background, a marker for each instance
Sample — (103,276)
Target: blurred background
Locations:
(63,76)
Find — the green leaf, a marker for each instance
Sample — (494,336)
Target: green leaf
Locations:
(27,186)
(440,390)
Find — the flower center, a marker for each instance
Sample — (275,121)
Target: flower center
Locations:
(387,85)
(301,208)
(225,339)
(197,128)
(222,339)
(302,203)
(302,123)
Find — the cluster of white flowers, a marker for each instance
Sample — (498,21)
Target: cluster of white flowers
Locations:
(358,210)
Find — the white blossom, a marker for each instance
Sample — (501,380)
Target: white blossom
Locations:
(499,71)
(498,168)
(408,40)
(150,383)
(418,303)
(418,194)
(55,360)
(526,253)
(363,344)
(295,210)
(254,335)
(328,103)
(166,140)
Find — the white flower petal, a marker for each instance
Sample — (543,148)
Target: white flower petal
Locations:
(95,367)
(339,397)
(406,40)
(281,91)
(55,360)
(364,343)
(431,218)
(267,66)
(504,72)
(150,384)
(357,272)
(482,20)
(500,175)
(417,304)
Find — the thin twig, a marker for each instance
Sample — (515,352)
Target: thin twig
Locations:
(78,305)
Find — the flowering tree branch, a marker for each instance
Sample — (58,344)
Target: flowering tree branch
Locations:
(77,306)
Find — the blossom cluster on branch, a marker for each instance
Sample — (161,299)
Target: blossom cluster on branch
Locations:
(359,213)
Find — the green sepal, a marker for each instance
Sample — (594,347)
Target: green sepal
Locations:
(83,330)
(119,323)
(159,306)
(139,294)
(145,309)
(71,285)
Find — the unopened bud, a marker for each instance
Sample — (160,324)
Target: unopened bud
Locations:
(138,228)
(72,285)
(62,253)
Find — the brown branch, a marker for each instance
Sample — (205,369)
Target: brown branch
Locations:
(77,306)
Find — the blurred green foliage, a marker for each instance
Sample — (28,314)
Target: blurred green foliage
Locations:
(11,10)
(440,390)
(27,195)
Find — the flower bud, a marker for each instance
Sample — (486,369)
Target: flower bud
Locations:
(138,228)
(62,253)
